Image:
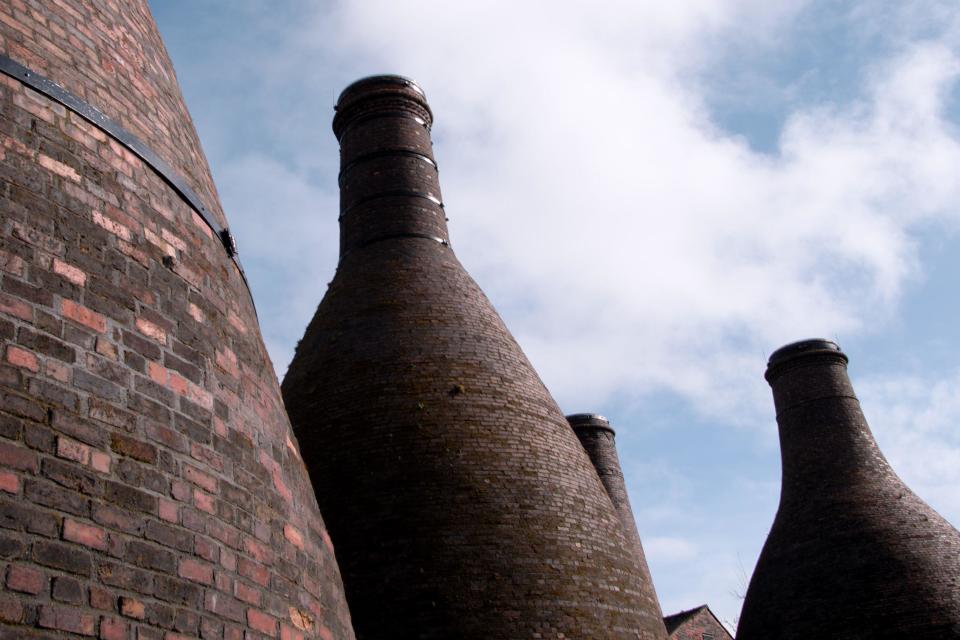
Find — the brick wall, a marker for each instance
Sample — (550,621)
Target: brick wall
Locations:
(853,552)
(699,625)
(460,501)
(109,53)
(150,486)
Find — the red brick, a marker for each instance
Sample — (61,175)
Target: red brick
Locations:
(26,579)
(206,549)
(100,461)
(82,315)
(169,511)
(157,372)
(57,371)
(235,320)
(256,572)
(132,608)
(84,534)
(58,167)
(133,448)
(203,501)
(195,571)
(260,621)
(227,360)
(67,619)
(22,358)
(106,348)
(243,591)
(228,560)
(289,633)
(14,264)
(151,330)
(10,609)
(9,482)
(19,458)
(293,534)
(102,599)
(196,313)
(14,307)
(70,272)
(113,629)
(199,478)
(178,383)
(207,456)
(224,605)
(72,450)
(256,550)
(112,226)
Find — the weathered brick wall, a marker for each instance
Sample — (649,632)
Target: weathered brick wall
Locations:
(460,501)
(853,553)
(599,441)
(150,486)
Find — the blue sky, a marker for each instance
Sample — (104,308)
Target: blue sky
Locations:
(655,196)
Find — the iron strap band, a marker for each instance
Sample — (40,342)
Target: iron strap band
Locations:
(112,128)
(386,153)
(396,193)
(392,236)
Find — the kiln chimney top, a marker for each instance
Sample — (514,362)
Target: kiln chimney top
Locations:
(375,95)
(802,349)
(589,421)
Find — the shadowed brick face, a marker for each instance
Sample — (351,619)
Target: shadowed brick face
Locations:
(460,502)
(853,553)
(599,441)
(149,483)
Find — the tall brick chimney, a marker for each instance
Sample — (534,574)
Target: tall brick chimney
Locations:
(460,501)
(150,485)
(853,553)
(599,441)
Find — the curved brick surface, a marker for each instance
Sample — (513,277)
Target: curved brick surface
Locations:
(109,53)
(149,483)
(461,503)
(599,441)
(853,553)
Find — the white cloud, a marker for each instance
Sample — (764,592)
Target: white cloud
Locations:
(633,245)
(915,422)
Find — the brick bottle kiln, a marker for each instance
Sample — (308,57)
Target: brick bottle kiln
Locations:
(599,441)
(853,553)
(149,483)
(460,501)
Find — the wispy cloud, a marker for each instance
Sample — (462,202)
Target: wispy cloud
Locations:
(632,243)
(915,422)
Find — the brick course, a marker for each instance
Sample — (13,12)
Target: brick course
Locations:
(146,462)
